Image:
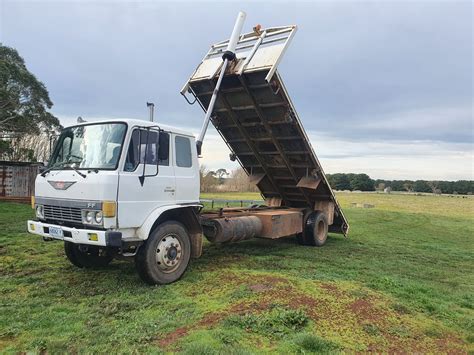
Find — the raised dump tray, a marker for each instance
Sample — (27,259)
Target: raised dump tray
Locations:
(257,120)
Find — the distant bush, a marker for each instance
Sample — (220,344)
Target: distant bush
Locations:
(360,182)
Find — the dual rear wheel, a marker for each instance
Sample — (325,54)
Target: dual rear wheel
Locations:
(315,229)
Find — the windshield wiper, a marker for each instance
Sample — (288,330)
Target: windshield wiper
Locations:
(63,164)
(77,170)
(43,174)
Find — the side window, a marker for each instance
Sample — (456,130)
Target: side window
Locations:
(183,152)
(142,144)
(148,147)
(164,149)
(133,153)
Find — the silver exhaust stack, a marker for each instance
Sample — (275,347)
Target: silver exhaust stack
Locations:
(151,106)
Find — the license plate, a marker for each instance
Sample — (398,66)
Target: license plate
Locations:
(56,232)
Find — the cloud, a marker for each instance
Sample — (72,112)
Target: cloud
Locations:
(393,76)
(379,159)
(448,124)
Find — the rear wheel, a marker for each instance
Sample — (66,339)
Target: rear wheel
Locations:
(315,229)
(165,255)
(302,237)
(88,256)
(319,226)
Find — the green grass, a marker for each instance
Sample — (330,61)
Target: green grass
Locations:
(402,281)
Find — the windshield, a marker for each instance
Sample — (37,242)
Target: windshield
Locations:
(95,146)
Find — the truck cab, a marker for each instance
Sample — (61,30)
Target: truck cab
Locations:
(112,185)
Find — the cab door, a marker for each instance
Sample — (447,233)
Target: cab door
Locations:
(140,193)
(186,170)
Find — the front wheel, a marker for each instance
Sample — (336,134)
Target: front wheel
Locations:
(165,255)
(87,256)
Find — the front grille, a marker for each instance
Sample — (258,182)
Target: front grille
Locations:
(60,213)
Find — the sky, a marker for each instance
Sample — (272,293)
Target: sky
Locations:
(381,87)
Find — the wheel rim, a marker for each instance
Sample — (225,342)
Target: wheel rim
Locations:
(169,253)
(320,231)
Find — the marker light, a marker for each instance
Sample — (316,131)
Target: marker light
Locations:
(109,208)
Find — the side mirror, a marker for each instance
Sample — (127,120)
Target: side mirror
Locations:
(150,169)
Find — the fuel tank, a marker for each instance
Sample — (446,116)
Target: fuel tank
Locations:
(231,229)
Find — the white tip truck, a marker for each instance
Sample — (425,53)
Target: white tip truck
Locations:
(130,188)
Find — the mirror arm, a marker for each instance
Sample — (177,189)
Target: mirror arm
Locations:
(142,177)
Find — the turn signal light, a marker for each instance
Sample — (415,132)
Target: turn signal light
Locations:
(109,208)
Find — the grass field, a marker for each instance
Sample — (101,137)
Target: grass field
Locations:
(402,281)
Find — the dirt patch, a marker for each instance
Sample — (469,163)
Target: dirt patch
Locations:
(207,321)
(173,336)
(331,289)
(365,310)
(249,307)
(259,288)
(368,321)
(451,345)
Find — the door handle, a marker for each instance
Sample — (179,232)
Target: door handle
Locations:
(169,189)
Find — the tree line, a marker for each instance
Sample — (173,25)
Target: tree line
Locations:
(362,182)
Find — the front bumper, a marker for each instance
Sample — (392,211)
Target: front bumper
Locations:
(78,236)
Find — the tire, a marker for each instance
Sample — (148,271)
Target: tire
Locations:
(317,229)
(86,256)
(165,256)
(302,237)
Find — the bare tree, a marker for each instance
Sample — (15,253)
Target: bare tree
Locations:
(434,186)
(26,147)
(239,182)
(208,180)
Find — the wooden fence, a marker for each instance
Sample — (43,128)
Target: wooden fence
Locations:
(17,180)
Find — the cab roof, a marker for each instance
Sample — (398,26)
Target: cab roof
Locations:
(138,123)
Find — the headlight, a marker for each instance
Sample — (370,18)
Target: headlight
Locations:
(89,216)
(98,217)
(39,211)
